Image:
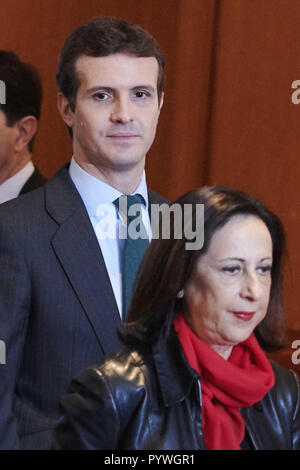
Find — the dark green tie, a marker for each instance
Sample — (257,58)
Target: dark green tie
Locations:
(135,245)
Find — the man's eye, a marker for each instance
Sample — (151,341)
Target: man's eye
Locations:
(101,96)
(141,94)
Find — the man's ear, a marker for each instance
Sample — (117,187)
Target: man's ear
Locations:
(64,108)
(161,102)
(26,127)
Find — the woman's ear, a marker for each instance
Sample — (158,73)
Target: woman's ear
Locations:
(180,294)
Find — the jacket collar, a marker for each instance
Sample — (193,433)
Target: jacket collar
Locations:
(169,359)
(63,199)
(77,249)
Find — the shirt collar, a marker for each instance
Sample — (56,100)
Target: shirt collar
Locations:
(94,191)
(11,187)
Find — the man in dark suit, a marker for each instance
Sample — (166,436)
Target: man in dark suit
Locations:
(60,280)
(19,115)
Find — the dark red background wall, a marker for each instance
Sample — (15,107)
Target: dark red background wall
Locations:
(228,116)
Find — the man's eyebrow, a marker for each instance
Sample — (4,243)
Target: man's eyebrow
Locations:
(107,89)
(100,88)
(145,87)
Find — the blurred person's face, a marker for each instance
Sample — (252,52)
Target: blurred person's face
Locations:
(228,295)
(117,110)
(7,141)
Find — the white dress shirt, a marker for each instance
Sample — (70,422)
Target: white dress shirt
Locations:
(98,199)
(11,187)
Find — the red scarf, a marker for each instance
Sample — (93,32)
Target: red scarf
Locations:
(227,385)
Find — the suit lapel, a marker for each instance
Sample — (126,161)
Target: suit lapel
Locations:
(156,199)
(78,251)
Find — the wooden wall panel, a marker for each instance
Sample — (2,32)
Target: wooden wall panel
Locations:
(227,117)
(254,130)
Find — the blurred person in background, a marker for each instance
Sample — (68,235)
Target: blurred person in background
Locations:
(19,117)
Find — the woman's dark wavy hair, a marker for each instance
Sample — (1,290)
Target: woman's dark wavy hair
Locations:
(167,267)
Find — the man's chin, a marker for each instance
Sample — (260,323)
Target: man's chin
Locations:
(127,162)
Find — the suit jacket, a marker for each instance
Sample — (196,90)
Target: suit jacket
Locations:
(35,181)
(58,313)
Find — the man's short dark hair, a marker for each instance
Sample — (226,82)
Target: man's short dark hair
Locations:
(23,89)
(102,37)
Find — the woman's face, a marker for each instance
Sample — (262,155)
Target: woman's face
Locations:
(228,295)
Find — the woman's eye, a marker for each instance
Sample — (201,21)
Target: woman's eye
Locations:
(231,269)
(264,269)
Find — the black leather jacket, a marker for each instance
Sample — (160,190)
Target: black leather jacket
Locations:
(150,399)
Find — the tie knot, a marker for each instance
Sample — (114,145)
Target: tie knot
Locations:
(125,202)
(130,200)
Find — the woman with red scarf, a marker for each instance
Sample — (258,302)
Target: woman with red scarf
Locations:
(193,373)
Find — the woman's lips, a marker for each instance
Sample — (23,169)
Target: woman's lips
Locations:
(245,316)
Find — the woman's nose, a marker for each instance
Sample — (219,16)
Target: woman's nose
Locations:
(250,288)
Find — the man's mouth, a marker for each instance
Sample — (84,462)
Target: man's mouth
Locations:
(122,135)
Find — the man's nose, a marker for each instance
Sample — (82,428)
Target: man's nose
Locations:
(122,111)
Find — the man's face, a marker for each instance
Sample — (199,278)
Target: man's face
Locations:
(7,141)
(117,110)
